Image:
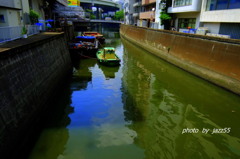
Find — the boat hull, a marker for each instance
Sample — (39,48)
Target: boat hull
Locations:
(107,62)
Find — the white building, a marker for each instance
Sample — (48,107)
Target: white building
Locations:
(221,17)
(186,14)
(10,13)
(218,17)
(128,11)
(147,15)
(14,14)
(137,8)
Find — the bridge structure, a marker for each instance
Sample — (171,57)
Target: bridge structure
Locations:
(100,3)
(105,5)
(87,25)
(104,21)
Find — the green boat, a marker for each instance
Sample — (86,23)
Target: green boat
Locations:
(107,56)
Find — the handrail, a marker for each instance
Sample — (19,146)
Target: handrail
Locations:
(15,32)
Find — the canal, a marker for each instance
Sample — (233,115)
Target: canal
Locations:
(143,109)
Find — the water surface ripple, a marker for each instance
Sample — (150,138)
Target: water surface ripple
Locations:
(139,111)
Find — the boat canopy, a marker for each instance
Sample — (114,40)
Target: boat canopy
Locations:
(85,37)
(109,50)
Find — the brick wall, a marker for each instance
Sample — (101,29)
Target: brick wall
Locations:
(30,71)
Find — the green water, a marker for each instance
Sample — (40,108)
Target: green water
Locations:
(139,111)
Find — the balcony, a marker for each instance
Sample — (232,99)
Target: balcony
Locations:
(12,33)
(146,2)
(147,15)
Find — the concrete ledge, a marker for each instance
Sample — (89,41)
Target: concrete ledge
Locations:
(30,42)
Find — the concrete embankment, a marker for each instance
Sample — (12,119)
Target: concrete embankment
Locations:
(30,71)
(214,59)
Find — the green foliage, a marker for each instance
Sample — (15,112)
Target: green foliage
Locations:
(164,17)
(88,10)
(24,30)
(92,16)
(33,15)
(119,15)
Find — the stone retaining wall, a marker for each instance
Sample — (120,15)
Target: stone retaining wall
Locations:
(30,71)
(214,59)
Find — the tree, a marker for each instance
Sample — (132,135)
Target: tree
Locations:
(33,15)
(119,15)
(91,16)
(164,16)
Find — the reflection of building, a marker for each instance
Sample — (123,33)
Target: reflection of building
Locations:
(136,89)
(109,72)
(169,100)
(82,75)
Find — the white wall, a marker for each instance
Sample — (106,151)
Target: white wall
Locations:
(14,18)
(128,7)
(157,14)
(229,16)
(195,7)
(25,5)
(17,4)
(11,17)
(212,27)
(36,6)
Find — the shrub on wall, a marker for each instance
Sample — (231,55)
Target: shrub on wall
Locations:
(33,15)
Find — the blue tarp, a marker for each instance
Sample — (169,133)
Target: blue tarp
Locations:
(86,37)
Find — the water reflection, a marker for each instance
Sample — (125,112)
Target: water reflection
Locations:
(138,111)
(50,144)
(109,72)
(82,74)
(162,100)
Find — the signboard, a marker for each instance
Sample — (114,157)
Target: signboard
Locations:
(73,3)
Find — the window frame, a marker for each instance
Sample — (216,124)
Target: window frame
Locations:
(187,22)
(181,3)
(2,18)
(216,5)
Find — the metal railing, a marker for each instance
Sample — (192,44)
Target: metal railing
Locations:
(12,33)
(33,29)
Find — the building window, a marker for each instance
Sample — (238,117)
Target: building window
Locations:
(234,4)
(185,23)
(2,20)
(178,3)
(222,4)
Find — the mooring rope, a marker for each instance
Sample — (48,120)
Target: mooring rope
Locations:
(86,56)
